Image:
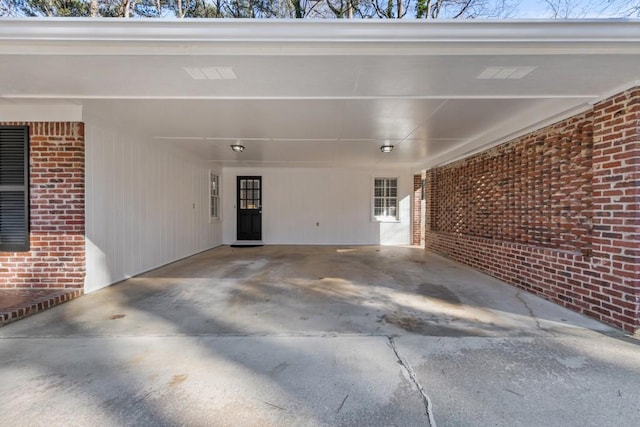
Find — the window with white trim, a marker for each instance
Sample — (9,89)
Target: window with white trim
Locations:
(385,199)
(214,196)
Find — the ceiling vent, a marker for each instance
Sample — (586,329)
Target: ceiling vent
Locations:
(502,73)
(211,73)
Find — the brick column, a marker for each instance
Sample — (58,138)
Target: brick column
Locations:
(423,208)
(429,189)
(416,217)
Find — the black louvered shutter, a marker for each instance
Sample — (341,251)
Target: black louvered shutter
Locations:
(14,188)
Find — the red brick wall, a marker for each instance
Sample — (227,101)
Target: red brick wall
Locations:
(555,212)
(57,221)
(416,215)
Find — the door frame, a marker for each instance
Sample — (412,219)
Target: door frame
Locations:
(256,212)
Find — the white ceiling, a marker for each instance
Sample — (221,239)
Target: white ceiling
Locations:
(320,93)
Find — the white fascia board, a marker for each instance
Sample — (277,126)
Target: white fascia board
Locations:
(238,36)
(40,112)
(608,94)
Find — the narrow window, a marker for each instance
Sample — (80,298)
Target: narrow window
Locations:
(14,188)
(214,192)
(385,199)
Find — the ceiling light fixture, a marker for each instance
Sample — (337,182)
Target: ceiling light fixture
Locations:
(238,148)
(386,148)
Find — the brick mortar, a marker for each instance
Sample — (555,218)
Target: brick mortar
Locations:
(565,278)
(56,258)
(503,193)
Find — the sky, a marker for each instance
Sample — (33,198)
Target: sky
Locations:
(532,9)
(578,9)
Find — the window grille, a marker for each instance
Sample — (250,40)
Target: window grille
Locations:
(385,199)
(214,192)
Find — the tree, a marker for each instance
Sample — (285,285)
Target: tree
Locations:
(454,9)
(381,9)
(62,8)
(303,8)
(581,9)
(343,8)
(6,8)
(201,9)
(389,8)
(249,9)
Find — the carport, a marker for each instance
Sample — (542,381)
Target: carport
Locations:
(132,123)
(364,151)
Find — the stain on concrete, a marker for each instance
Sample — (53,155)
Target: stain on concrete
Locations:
(46,383)
(178,379)
(440,292)
(137,359)
(242,269)
(278,369)
(329,290)
(575,362)
(435,326)
(252,291)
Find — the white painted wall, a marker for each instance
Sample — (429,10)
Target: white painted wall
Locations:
(340,200)
(147,205)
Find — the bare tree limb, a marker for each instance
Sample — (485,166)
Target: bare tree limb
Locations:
(463,9)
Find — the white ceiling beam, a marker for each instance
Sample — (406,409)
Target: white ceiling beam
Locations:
(78,96)
(39,111)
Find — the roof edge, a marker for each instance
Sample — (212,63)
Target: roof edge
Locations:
(317,31)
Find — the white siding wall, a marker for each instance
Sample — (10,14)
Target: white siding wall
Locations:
(339,200)
(146,205)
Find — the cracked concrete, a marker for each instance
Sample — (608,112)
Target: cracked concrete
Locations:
(315,336)
(520,298)
(425,397)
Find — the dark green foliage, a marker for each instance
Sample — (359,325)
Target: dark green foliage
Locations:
(62,8)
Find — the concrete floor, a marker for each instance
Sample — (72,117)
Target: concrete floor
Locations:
(316,336)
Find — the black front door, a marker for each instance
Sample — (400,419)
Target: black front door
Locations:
(249,208)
